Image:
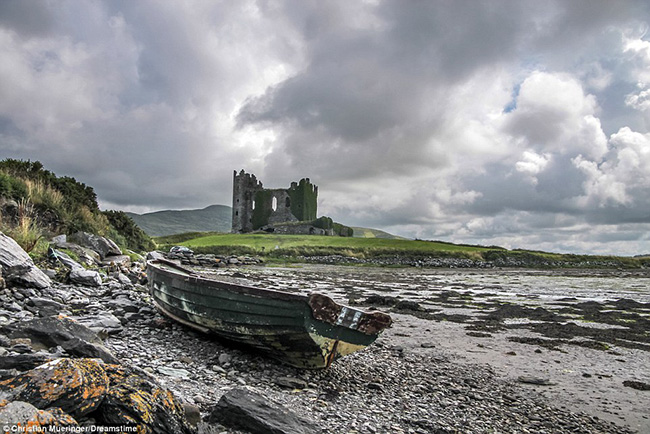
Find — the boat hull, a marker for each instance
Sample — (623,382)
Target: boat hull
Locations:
(305,331)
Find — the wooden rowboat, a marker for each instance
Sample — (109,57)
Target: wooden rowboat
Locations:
(305,331)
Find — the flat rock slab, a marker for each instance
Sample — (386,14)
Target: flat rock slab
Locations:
(253,412)
(73,336)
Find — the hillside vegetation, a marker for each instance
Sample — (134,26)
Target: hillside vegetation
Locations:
(36,205)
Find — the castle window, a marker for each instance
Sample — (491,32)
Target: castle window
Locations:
(288,202)
(253,204)
(274,203)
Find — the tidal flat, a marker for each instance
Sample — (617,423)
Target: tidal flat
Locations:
(576,339)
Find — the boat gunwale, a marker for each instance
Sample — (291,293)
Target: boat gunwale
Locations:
(192,277)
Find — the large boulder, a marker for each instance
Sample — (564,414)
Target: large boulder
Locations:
(243,409)
(75,338)
(18,267)
(134,400)
(76,386)
(101,245)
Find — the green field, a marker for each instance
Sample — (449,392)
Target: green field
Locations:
(267,242)
(294,247)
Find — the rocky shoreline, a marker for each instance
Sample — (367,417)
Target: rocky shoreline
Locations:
(396,385)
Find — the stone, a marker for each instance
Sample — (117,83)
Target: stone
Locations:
(59,240)
(117,260)
(250,411)
(25,415)
(74,337)
(18,267)
(192,414)
(133,400)
(101,245)
(291,382)
(82,276)
(224,358)
(104,322)
(23,361)
(76,386)
(122,278)
(77,347)
(21,348)
(43,303)
(375,386)
(155,255)
(123,303)
(535,380)
(638,385)
(64,259)
(174,372)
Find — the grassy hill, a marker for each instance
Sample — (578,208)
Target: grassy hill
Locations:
(266,242)
(373,233)
(214,218)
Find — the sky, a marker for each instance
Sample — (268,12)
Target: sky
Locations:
(518,123)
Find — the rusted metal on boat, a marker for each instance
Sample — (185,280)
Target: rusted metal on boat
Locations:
(302,330)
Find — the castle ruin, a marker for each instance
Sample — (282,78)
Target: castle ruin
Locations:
(257,208)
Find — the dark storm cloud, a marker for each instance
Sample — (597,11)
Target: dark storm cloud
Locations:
(521,123)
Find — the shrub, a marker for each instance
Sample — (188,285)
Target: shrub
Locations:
(124,227)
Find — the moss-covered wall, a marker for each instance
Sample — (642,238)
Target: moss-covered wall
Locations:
(304,200)
(263,210)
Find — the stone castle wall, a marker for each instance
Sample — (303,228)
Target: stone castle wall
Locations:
(255,207)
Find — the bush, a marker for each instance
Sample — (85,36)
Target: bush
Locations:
(124,227)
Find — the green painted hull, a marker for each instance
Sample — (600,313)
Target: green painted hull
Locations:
(305,331)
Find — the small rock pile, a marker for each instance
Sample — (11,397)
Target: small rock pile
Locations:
(213,261)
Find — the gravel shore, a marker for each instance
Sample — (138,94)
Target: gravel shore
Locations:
(385,388)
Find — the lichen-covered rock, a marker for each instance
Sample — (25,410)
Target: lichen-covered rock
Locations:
(19,416)
(134,400)
(77,386)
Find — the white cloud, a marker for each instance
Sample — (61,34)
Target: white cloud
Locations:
(532,164)
(553,114)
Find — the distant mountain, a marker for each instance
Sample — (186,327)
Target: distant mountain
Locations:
(216,218)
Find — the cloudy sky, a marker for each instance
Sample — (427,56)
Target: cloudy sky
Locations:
(524,124)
